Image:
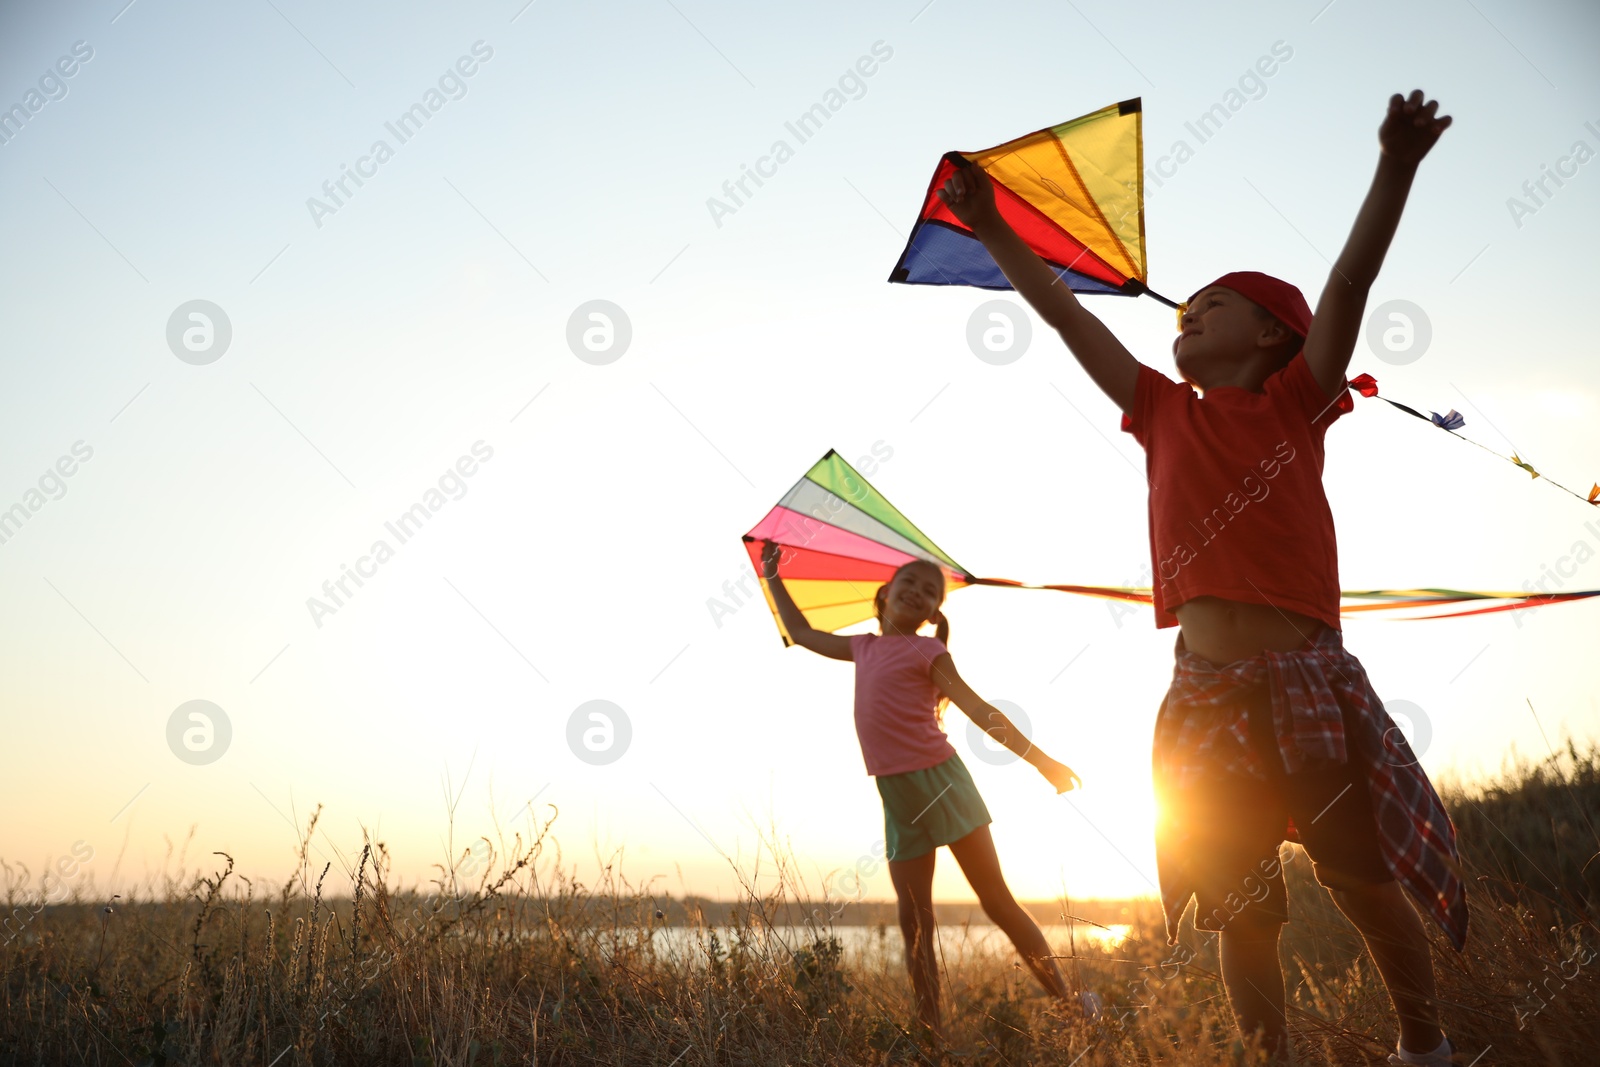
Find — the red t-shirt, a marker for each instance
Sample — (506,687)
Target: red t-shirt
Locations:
(897,717)
(1237,508)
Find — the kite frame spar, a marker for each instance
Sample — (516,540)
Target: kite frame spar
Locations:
(843,539)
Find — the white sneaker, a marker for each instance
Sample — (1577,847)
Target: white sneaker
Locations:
(1439,1057)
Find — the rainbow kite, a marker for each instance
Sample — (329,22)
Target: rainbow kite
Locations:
(843,540)
(1074,193)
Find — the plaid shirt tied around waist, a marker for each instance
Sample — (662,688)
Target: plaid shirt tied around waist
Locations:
(1203,730)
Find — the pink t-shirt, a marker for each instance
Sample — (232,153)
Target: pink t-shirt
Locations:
(896,703)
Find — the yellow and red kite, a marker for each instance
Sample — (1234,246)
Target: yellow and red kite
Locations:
(1073,192)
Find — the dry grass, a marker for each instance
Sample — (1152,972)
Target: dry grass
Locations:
(527,966)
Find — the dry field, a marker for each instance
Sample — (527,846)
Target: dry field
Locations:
(525,965)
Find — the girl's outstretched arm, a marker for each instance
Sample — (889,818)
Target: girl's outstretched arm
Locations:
(834,646)
(994,722)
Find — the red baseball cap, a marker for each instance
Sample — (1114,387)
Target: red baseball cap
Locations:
(1281,299)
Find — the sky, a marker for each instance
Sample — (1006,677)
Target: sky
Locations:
(418,338)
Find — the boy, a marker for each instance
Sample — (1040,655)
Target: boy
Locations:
(1270,729)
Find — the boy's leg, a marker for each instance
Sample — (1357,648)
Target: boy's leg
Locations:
(1333,810)
(979,862)
(913,887)
(1253,977)
(1233,830)
(1399,946)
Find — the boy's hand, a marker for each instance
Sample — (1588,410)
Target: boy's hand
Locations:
(1410,128)
(969,194)
(1061,776)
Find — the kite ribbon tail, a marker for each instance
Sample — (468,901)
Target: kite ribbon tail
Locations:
(970,580)
(1408,410)
(1519,605)
(1105,592)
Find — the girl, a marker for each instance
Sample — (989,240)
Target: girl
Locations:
(928,797)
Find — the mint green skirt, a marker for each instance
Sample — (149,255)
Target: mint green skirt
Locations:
(925,809)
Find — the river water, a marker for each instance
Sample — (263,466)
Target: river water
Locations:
(874,945)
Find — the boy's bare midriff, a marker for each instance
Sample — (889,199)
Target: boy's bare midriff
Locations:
(1224,631)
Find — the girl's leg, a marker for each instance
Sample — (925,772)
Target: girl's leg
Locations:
(913,887)
(976,854)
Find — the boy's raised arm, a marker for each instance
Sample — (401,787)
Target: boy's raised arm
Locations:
(970,196)
(1409,130)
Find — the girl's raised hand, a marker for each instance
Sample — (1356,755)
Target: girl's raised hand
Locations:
(1058,774)
(1410,129)
(969,194)
(771,553)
